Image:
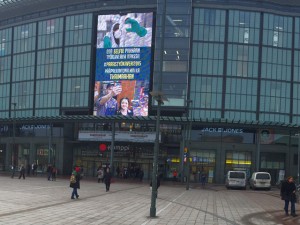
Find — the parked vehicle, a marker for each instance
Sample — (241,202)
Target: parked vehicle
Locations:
(260,180)
(236,179)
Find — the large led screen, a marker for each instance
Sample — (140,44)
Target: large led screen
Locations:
(123,59)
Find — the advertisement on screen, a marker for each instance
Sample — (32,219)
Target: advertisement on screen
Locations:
(123,58)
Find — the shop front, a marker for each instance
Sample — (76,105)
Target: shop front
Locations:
(132,157)
(239,161)
(202,163)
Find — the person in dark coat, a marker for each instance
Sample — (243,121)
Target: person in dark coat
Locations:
(107,179)
(22,172)
(76,185)
(288,194)
(141,175)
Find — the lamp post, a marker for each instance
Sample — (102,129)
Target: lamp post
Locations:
(158,96)
(14,135)
(189,127)
(298,163)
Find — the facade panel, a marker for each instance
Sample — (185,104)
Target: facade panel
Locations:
(235,62)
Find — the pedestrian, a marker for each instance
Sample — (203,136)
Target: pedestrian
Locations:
(35,169)
(13,170)
(141,175)
(118,171)
(22,172)
(175,174)
(54,172)
(49,171)
(203,179)
(288,194)
(75,182)
(32,169)
(107,179)
(100,174)
(28,170)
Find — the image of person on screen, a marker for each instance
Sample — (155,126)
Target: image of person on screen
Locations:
(116,37)
(107,105)
(124,107)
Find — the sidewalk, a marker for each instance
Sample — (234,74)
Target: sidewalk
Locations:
(38,201)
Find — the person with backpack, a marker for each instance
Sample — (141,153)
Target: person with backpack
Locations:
(75,182)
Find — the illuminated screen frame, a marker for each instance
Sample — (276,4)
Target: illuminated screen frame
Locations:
(123,64)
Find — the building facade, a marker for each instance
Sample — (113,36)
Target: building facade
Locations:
(229,69)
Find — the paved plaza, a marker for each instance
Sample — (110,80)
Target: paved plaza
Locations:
(38,201)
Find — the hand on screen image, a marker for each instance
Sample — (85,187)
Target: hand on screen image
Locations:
(135,27)
(107,105)
(116,90)
(117,35)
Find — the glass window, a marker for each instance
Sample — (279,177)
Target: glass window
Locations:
(243,27)
(207,58)
(276,64)
(23,67)
(275,97)
(241,94)
(77,61)
(277,31)
(22,94)
(76,92)
(49,64)
(50,33)
(206,93)
(242,61)
(209,25)
(79,29)
(25,38)
(5,42)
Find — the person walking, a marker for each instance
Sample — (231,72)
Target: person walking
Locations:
(75,182)
(100,174)
(54,172)
(288,194)
(141,175)
(175,174)
(203,179)
(22,172)
(49,171)
(13,170)
(107,179)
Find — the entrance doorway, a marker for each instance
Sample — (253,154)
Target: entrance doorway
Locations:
(203,162)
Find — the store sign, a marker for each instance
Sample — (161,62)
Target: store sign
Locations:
(119,136)
(34,127)
(222,130)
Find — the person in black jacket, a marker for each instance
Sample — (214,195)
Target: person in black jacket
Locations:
(288,194)
(76,185)
(107,179)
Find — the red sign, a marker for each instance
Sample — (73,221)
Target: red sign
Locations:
(102,147)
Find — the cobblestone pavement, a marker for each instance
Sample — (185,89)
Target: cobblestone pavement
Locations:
(38,201)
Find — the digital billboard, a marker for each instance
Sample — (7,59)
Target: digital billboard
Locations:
(123,58)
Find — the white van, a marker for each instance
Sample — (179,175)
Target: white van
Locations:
(236,179)
(260,180)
